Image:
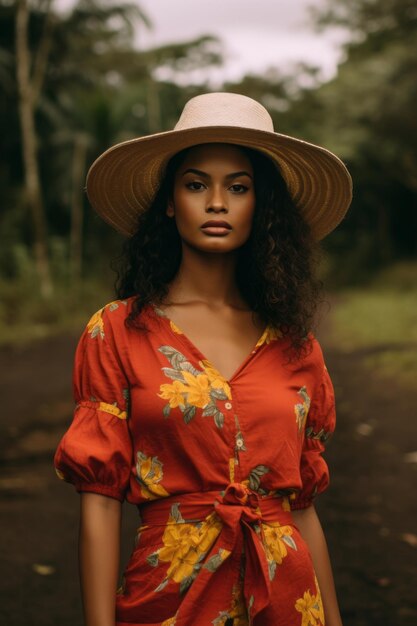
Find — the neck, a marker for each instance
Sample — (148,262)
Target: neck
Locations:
(206,277)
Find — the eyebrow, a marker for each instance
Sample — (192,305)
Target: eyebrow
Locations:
(204,174)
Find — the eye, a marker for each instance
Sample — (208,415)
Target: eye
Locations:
(238,188)
(194,185)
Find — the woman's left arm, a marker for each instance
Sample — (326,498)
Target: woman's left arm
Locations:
(310,528)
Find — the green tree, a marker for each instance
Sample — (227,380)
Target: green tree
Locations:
(97,89)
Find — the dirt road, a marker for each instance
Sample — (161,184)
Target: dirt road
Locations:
(369,512)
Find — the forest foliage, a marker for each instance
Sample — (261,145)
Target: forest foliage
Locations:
(73,84)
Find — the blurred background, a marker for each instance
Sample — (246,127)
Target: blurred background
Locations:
(78,77)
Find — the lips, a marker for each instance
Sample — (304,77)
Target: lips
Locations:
(216,224)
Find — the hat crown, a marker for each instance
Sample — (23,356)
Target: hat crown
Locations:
(224,109)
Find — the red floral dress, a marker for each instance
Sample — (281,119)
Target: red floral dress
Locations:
(214,466)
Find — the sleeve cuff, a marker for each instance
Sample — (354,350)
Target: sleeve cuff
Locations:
(301,504)
(103,490)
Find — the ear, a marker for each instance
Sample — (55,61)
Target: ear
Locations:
(170,210)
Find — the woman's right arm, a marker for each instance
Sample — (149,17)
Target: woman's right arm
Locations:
(99,557)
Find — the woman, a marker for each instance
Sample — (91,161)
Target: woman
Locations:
(202,394)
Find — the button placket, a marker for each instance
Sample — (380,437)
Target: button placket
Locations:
(239,440)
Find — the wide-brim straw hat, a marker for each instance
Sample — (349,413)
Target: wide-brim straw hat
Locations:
(123,181)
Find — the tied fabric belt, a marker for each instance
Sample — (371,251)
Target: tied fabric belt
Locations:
(239,513)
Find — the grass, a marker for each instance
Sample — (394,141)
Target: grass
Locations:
(381,317)
(25,317)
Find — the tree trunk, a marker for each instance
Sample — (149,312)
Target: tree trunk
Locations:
(76,238)
(29,150)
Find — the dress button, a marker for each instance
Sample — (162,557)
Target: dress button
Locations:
(239,443)
(228,405)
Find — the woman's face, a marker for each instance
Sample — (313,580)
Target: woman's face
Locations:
(213,199)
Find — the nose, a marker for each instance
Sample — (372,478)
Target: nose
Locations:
(217,201)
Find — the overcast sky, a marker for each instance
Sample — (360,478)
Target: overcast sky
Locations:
(256,34)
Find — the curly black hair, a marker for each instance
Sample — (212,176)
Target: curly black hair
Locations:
(276,268)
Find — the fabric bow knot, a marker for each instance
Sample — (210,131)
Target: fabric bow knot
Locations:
(244,501)
(242,513)
(238,508)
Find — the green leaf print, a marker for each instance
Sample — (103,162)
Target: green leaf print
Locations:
(193,386)
(175,513)
(173,356)
(173,374)
(213,563)
(185,583)
(218,419)
(210,409)
(301,410)
(272,566)
(250,603)
(152,559)
(189,413)
(289,541)
(221,618)
(162,585)
(177,360)
(260,470)
(255,476)
(217,394)
(186,365)
(126,396)
(321,435)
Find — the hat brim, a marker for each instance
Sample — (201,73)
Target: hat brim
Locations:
(122,182)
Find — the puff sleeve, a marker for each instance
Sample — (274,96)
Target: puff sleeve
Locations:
(95,453)
(319,427)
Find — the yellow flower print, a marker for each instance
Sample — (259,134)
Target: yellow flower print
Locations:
(122,587)
(214,562)
(192,388)
(216,379)
(319,601)
(286,504)
(301,410)
(113,410)
(197,388)
(170,621)
(185,545)
(149,475)
(182,554)
(268,335)
(275,543)
(237,610)
(208,532)
(311,609)
(175,328)
(95,326)
(172,393)
(59,474)
(181,537)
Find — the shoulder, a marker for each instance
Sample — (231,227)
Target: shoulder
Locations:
(316,353)
(315,358)
(324,390)
(110,318)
